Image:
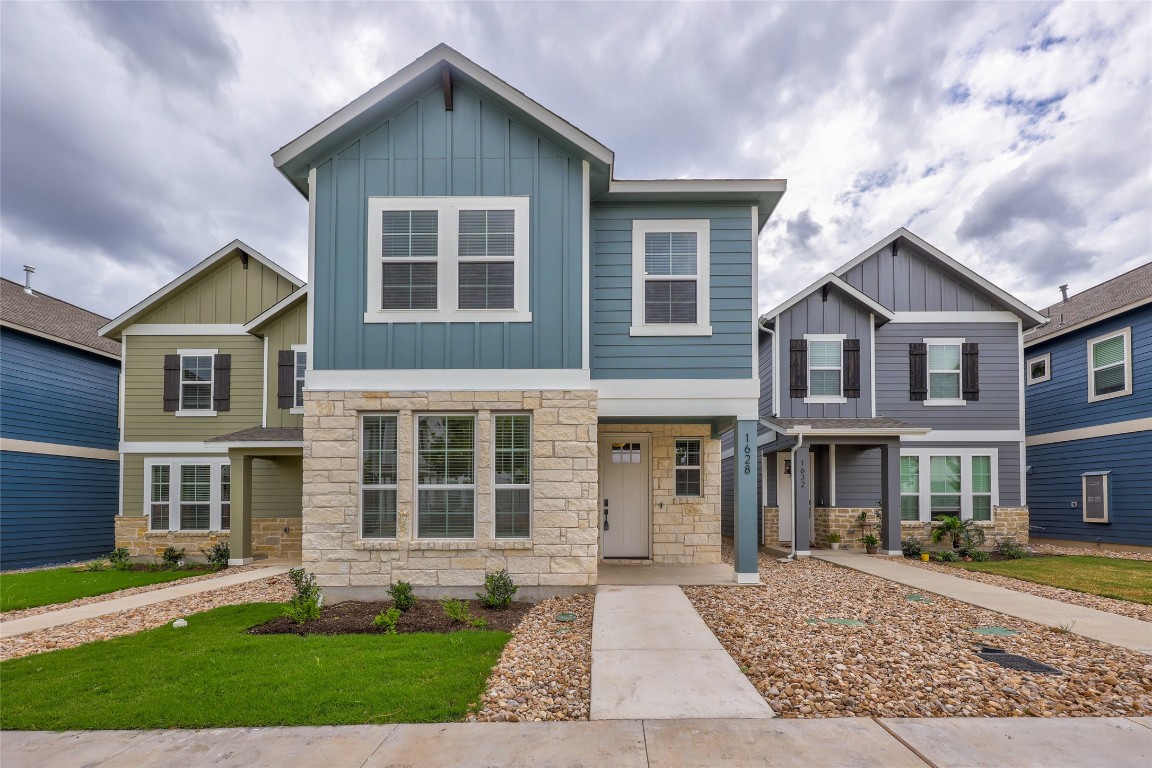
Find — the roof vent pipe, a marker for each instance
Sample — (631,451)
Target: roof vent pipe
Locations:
(1064,292)
(28,271)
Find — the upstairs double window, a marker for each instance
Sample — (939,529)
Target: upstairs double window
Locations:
(670,277)
(442,259)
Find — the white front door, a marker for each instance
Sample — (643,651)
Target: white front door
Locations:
(624,505)
(784,494)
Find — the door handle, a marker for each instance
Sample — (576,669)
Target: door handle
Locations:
(605,514)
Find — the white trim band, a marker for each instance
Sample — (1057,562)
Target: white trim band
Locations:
(185,329)
(57,449)
(1084,433)
(173,447)
(968,436)
(955,317)
(447,379)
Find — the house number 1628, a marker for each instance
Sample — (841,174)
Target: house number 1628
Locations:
(747,455)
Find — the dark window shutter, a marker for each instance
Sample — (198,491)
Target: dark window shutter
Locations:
(917,371)
(798,367)
(286,379)
(171,383)
(970,371)
(221,382)
(851,367)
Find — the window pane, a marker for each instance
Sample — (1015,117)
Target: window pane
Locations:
(981,507)
(1037,369)
(225,497)
(824,383)
(1107,380)
(688,453)
(379,514)
(301,370)
(909,474)
(687,482)
(194,517)
(160,475)
(487,234)
(159,517)
(981,474)
(487,285)
(945,505)
(446,513)
(1108,352)
(943,357)
(909,507)
(513,450)
(196,368)
(195,482)
(670,253)
(409,234)
(512,512)
(945,474)
(670,301)
(943,386)
(824,354)
(409,286)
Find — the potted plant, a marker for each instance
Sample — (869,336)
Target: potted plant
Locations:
(870,542)
(834,540)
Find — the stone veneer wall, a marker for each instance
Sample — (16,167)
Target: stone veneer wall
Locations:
(771,526)
(1007,523)
(268,538)
(562,550)
(685,530)
(846,522)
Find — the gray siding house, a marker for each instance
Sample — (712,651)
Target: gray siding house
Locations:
(894,383)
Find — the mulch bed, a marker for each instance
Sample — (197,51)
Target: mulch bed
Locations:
(426,616)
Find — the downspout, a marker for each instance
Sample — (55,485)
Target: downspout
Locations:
(799,443)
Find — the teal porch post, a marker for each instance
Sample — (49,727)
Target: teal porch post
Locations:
(890,497)
(240,533)
(802,501)
(745,506)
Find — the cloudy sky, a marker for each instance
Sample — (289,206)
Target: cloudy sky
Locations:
(1017,137)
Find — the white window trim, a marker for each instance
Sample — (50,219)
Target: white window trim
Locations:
(703,324)
(448,261)
(513,486)
(174,464)
(1047,359)
(296,350)
(211,383)
(924,456)
(840,337)
(944,401)
(676,467)
(380,486)
(1127,334)
(416,485)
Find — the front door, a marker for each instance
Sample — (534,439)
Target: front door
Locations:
(784,494)
(624,506)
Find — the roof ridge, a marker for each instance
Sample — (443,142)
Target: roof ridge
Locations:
(38,292)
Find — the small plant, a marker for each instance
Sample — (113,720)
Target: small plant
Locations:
(457,610)
(120,559)
(870,540)
(388,619)
(97,565)
(172,557)
(963,533)
(834,538)
(1011,549)
(947,556)
(911,547)
(305,604)
(402,597)
(1066,627)
(218,555)
(498,590)
(978,556)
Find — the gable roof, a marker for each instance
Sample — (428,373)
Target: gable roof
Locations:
(832,281)
(1123,292)
(257,324)
(129,317)
(763,193)
(1027,315)
(47,317)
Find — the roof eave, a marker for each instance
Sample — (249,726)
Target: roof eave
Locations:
(763,193)
(58,339)
(881,312)
(1086,322)
(257,324)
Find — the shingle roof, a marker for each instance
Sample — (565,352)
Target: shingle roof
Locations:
(52,317)
(261,435)
(1120,291)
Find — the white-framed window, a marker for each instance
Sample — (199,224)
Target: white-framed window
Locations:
(512,475)
(378,476)
(445,476)
(441,259)
(1110,365)
(948,481)
(944,366)
(688,482)
(196,382)
(188,493)
(825,368)
(299,370)
(671,264)
(1039,368)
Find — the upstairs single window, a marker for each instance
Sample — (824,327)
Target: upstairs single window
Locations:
(825,369)
(944,371)
(196,382)
(1109,366)
(1040,369)
(670,272)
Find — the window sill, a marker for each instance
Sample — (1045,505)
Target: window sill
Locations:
(387,545)
(1097,398)
(937,523)
(943,402)
(446,316)
(825,399)
(670,330)
(195,413)
(450,545)
(183,533)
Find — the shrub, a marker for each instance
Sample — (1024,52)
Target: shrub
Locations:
(978,556)
(402,597)
(498,590)
(387,620)
(1011,549)
(97,565)
(172,557)
(911,547)
(963,533)
(457,610)
(120,559)
(947,556)
(305,604)
(218,554)
(869,540)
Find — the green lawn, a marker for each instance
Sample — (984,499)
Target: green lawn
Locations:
(1107,576)
(60,585)
(213,674)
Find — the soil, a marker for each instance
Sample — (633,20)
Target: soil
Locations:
(426,616)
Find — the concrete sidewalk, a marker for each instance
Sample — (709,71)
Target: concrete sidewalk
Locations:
(653,657)
(1110,628)
(139,600)
(833,743)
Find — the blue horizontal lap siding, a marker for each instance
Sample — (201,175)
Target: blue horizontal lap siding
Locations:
(726,354)
(1054,483)
(424,150)
(55,509)
(1062,402)
(52,393)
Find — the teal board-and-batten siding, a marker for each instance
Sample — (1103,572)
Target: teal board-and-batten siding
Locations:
(425,150)
(727,353)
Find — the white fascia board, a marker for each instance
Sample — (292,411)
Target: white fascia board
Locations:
(57,339)
(1087,322)
(763,194)
(1085,433)
(446,380)
(275,309)
(638,389)
(996,316)
(969,436)
(126,318)
(172,447)
(743,409)
(57,449)
(185,329)
(831,279)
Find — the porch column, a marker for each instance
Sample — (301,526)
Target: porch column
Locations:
(240,538)
(745,506)
(890,497)
(802,480)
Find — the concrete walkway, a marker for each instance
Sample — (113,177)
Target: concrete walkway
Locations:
(1107,627)
(833,743)
(654,658)
(139,600)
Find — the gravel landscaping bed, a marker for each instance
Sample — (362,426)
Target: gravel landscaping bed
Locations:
(274,589)
(545,670)
(908,659)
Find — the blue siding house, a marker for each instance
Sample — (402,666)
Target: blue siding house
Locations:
(517,360)
(59,433)
(1089,414)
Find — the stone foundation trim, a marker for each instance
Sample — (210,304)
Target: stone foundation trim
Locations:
(269,538)
(1006,523)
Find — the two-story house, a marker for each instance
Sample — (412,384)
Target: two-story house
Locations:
(894,383)
(212,410)
(1089,414)
(58,430)
(517,360)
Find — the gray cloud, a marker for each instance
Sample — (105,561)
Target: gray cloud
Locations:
(802,229)
(1020,197)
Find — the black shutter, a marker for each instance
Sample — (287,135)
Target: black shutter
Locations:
(917,371)
(171,383)
(286,379)
(851,367)
(970,371)
(221,382)
(798,367)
